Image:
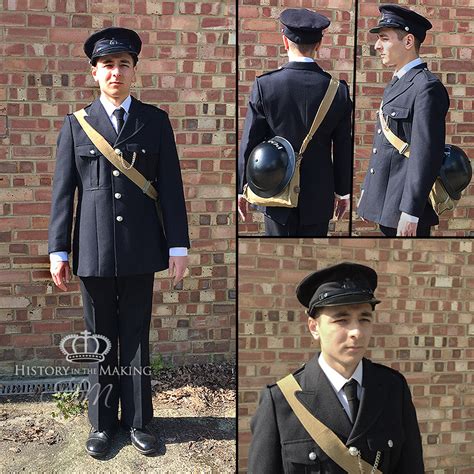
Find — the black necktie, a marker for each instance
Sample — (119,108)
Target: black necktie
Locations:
(350,389)
(119,113)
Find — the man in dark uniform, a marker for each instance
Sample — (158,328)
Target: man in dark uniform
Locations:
(367,406)
(119,240)
(284,103)
(396,188)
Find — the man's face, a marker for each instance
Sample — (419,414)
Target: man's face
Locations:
(393,51)
(344,333)
(115,74)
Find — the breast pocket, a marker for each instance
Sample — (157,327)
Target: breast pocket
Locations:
(388,443)
(89,164)
(302,457)
(398,119)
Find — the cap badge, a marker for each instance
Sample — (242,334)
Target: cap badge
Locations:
(113,42)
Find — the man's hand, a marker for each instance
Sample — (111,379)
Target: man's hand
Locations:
(406,229)
(340,208)
(61,273)
(177,268)
(242,207)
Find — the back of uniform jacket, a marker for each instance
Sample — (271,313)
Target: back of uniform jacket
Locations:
(284,103)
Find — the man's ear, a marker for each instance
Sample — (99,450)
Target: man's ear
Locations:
(94,73)
(409,41)
(285,42)
(313,326)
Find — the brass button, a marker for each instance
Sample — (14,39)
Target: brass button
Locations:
(379,131)
(374,150)
(117,150)
(390,443)
(118,195)
(143,150)
(372,171)
(312,456)
(119,218)
(116,172)
(92,152)
(393,114)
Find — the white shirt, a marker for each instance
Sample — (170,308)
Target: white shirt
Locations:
(338,381)
(400,73)
(62,256)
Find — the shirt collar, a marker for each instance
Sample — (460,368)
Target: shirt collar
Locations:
(110,108)
(299,59)
(337,380)
(403,70)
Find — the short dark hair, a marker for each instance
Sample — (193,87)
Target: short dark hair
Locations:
(402,33)
(304,48)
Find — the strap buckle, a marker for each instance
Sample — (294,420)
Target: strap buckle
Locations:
(403,149)
(146,187)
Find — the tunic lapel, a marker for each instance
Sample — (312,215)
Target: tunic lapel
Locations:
(402,85)
(135,122)
(320,399)
(372,402)
(98,118)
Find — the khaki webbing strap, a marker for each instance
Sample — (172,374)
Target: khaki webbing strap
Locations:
(321,113)
(104,147)
(321,434)
(402,147)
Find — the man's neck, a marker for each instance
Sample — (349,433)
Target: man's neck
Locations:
(405,62)
(345,371)
(117,101)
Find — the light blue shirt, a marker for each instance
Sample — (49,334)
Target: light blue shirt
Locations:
(403,70)
(62,256)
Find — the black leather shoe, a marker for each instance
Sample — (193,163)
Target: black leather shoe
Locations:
(143,440)
(98,443)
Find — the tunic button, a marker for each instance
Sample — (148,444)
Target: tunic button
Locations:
(312,456)
(143,151)
(118,195)
(117,150)
(372,171)
(116,172)
(92,152)
(374,150)
(379,131)
(353,451)
(390,443)
(119,218)
(393,114)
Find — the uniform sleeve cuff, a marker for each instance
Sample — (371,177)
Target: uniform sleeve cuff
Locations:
(408,218)
(58,257)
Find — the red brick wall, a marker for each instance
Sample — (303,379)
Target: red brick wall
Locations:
(187,67)
(261,49)
(424,328)
(448,50)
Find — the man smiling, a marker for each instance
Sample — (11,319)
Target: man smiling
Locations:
(397,185)
(120,239)
(340,412)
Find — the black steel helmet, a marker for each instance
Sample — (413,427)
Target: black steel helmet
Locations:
(270,167)
(456,171)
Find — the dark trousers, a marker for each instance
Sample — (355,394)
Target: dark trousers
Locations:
(422,230)
(119,308)
(294,229)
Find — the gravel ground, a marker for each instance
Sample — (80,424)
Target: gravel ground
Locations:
(194,408)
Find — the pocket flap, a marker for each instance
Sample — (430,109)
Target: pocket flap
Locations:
(135,147)
(385,441)
(87,151)
(396,112)
(303,452)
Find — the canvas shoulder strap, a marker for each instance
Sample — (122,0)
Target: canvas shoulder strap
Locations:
(321,113)
(322,435)
(402,147)
(104,147)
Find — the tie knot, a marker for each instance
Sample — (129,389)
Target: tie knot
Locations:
(119,113)
(350,389)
